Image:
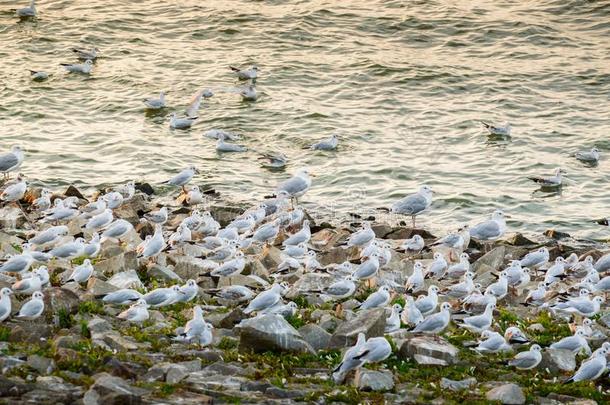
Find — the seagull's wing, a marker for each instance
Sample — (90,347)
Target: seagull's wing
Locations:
(410,205)
(31,308)
(485,230)
(431,323)
(293,185)
(523,360)
(7,161)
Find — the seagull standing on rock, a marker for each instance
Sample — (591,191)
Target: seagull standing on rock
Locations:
(33,308)
(414,204)
(11,161)
(137,313)
(490,230)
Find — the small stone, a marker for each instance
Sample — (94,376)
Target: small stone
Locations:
(429,350)
(509,394)
(454,385)
(370,322)
(41,364)
(176,373)
(126,279)
(536,327)
(371,380)
(271,332)
(98,325)
(316,336)
(280,393)
(118,342)
(11,218)
(163,273)
(557,360)
(551,233)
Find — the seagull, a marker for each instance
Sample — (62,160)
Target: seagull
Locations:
(189,291)
(161,297)
(301,236)
(462,289)
(183,177)
(551,181)
(435,323)
(5,303)
(459,269)
(82,273)
(415,282)
(275,160)
(99,221)
(27,286)
(93,247)
(414,204)
(86,54)
(84,68)
(116,230)
(248,93)
(590,157)
(156,103)
(556,271)
(195,103)
(491,229)
(218,133)
(11,161)
(283,310)
(38,75)
(367,269)
(44,201)
(18,264)
(245,74)
(411,315)
(362,237)
(341,289)
(427,304)
(379,298)
(326,144)
(438,266)
(392,322)
(592,368)
(42,272)
(158,217)
(527,360)
(180,123)
(349,361)
(375,349)
(574,343)
(581,306)
(479,323)
(153,246)
(197,329)
(33,308)
(267,232)
(499,289)
(49,236)
(28,11)
(297,185)
(15,191)
(231,267)
(222,146)
(500,129)
(493,343)
(414,244)
(236,293)
(194,196)
(265,299)
(113,199)
(122,297)
(69,250)
(514,336)
(535,259)
(137,313)
(127,190)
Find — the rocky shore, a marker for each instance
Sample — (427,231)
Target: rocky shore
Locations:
(78,351)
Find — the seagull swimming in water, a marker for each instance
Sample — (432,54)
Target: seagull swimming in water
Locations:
(245,74)
(156,103)
(84,68)
(500,129)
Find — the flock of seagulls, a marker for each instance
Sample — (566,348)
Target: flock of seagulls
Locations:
(565,286)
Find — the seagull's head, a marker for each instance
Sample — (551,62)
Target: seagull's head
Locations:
(38,295)
(536,348)
(254,67)
(88,62)
(193,169)
(5,292)
(445,306)
(426,190)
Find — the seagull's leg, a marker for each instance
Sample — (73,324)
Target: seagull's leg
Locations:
(413,219)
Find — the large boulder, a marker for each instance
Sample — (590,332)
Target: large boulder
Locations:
(557,360)
(371,323)
(509,394)
(429,350)
(316,336)
(271,332)
(109,389)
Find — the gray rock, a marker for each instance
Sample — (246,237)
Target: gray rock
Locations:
(41,364)
(271,332)
(492,259)
(163,273)
(226,319)
(56,298)
(12,388)
(371,323)
(117,342)
(126,279)
(11,217)
(281,393)
(509,394)
(210,384)
(99,288)
(556,360)
(30,332)
(176,373)
(371,380)
(454,385)
(316,336)
(98,325)
(108,388)
(429,350)
(188,266)
(9,362)
(116,262)
(310,282)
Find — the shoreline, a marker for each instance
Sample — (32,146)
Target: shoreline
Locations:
(81,349)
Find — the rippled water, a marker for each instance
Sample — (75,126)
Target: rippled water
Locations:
(402,82)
